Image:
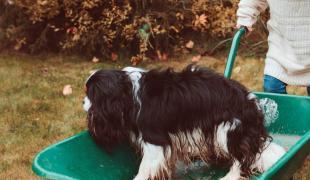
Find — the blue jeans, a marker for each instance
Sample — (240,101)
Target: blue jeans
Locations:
(274,85)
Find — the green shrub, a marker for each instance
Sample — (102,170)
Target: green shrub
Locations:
(103,28)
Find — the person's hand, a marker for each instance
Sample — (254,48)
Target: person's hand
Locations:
(250,29)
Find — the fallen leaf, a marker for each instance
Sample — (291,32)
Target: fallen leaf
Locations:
(200,20)
(196,58)
(44,70)
(237,69)
(189,44)
(76,37)
(179,16)
(67,90)
(19,44)
(95,59)
(203,19)
(43,2)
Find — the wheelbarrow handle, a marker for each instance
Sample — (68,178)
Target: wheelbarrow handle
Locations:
(233,51)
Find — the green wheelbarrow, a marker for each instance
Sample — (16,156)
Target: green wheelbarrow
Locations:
(79,158)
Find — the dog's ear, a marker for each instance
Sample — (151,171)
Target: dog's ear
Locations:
(106,121)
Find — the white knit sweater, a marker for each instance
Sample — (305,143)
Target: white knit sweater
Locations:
(288,57)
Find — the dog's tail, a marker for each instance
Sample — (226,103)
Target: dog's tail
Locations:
(268,106)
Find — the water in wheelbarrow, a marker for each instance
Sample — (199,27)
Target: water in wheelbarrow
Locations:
(198,169)
(285,140)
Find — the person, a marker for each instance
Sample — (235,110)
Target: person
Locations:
(288,57)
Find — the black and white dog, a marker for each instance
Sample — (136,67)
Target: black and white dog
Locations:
(179,116)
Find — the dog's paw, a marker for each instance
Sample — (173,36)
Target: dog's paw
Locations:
(230,177)
(139,177)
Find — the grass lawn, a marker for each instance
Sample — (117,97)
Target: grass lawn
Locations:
(35,114)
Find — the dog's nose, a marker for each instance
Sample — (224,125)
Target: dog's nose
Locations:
(83,102)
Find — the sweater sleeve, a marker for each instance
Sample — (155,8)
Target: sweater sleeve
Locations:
(249,10)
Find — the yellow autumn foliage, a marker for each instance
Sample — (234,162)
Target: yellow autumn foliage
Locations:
(100,28)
